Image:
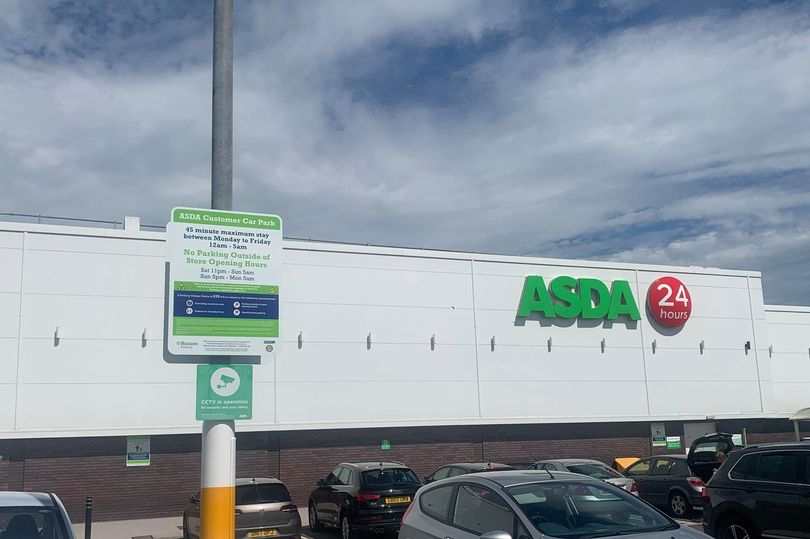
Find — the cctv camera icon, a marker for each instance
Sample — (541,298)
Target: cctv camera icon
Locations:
(225,380)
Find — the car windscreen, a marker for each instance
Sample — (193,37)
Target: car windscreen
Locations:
(389,478)
(261,493)
(594,470)
(32,522)
(579,510)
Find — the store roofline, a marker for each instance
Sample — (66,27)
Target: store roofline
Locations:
(411,252)
(787,309)
(366,425)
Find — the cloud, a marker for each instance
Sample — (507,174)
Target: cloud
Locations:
(436,124)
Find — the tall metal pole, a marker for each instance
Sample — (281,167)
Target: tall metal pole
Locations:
(217,501)
(222,117)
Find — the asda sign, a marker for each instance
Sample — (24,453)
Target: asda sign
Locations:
(566,297)
(669,302)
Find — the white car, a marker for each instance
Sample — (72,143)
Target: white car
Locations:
(33,515)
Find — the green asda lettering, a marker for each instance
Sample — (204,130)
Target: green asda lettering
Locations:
(567,297)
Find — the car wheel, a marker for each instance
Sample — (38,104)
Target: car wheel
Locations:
(678,504)
(314,524)
(345,527)
(736,528)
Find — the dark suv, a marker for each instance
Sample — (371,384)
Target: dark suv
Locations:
(760,491)
(363,496)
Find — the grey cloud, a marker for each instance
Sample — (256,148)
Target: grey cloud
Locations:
(606,149)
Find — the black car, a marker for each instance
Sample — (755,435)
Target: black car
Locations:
(462,468)
(667,481)
(363,496)
(678,481)
(760,491)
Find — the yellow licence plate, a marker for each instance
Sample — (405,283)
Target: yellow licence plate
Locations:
(398,499)
(263,533)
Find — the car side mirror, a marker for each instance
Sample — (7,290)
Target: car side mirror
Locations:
(320,482)
(497,534)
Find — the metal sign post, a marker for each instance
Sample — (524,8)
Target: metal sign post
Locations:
(222,298)
(218,492)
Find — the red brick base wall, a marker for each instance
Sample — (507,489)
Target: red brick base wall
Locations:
(78,467)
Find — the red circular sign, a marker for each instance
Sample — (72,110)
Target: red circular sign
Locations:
(669,302)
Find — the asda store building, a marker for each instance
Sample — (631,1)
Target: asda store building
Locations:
(427,357)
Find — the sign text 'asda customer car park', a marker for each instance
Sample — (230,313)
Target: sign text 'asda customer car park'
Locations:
(669,301)
(224,273)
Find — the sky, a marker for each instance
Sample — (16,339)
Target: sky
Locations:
(618,130)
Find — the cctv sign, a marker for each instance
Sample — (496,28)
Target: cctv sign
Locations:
(669,302)
(224,392)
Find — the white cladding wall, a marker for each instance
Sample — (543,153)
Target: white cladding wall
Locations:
(103,290)
(789,334)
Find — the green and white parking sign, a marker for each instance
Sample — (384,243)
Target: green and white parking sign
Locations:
(224,392)
(224,273)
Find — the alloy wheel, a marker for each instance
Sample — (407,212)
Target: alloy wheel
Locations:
(678,504)
(736,531)
(314,523)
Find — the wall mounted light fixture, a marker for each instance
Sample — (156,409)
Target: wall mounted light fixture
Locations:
(368,342)
(770,351)
(654,345)
(702,347)
(747,347)
(492,344)
(549,344)
(603,345)
(432,342)
(56,336)
(143,338)
(300,340)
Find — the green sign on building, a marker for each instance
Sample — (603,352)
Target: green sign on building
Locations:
(385,444)
(224,392)
(567,297)
(139,450)
(673,442)
(659,435)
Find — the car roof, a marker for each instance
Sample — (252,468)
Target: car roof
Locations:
(25,499)
(676,457)
(508,478)
(257,480)
(779,445)
(374,465)
(475,465)
(573,461)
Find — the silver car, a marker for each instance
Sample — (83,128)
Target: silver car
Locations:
(33,515)
(524,504)
(592,468)
(264,508)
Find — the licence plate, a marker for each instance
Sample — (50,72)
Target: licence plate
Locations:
(398,499)
(263,533)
